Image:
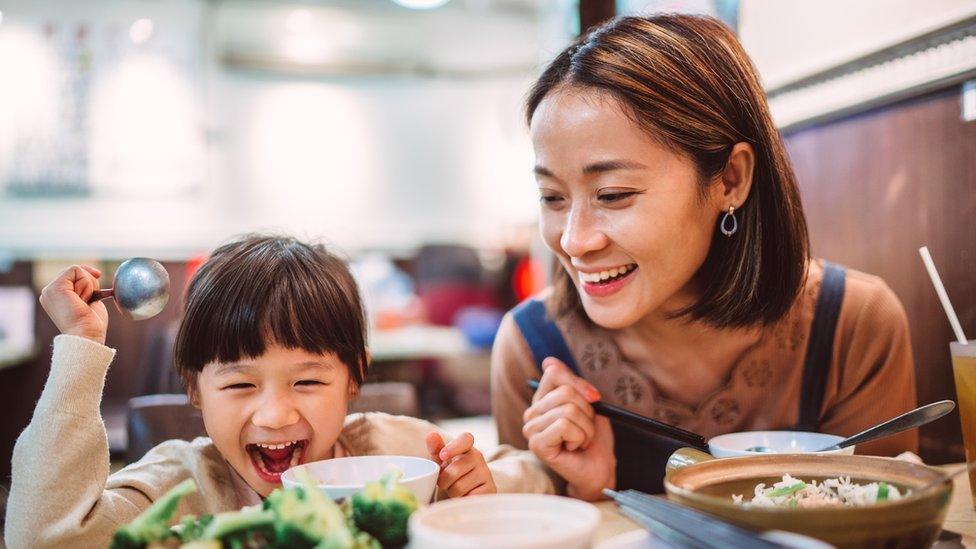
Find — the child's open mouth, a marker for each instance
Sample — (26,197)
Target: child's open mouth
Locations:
(272,459)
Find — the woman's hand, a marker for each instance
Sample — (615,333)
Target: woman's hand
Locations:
(65,300)
(464,471)
(565,433)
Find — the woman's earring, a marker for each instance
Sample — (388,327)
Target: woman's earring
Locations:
(725,218)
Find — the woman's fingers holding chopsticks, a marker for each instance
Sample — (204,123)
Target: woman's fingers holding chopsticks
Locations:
(554,399)
(556,374)
(562,397)
(562,434)
(575,425)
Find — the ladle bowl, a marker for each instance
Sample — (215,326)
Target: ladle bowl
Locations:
(141,288)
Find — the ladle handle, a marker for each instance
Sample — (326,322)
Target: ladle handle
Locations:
(909,420)
(968,467)
(101,294)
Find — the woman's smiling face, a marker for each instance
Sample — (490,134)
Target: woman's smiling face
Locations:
(624,214)
(272,412)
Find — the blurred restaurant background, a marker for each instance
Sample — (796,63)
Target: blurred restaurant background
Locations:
(393,131)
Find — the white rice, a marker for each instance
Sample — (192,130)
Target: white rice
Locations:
(833,492)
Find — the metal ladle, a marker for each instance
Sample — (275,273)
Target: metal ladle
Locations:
(922,415)
(141,288)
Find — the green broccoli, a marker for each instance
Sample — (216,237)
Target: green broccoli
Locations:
(153,523)
(307,518)
(239,526)
(202,544)
(191,527)
(361,540)
(382,508)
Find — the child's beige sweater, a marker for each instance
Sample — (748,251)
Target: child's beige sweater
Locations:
(62,495)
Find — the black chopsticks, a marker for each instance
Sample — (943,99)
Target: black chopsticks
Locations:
(684,526)
(643,423)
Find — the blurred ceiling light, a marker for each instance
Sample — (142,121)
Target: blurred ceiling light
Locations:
(143,135)
(141,31)
(306,48)
(421,4)
(298,21)
(1,17)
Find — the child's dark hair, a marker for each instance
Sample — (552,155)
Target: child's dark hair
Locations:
(261,290)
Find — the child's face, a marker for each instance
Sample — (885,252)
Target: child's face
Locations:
(288,399)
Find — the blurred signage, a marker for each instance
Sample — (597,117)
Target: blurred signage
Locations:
(105,102)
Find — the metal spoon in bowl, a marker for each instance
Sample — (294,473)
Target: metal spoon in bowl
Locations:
(141,288)
(922,415)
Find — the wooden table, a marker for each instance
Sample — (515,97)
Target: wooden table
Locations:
(961,517)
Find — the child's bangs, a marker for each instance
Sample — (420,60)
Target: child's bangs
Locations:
(289,315)
(315,316)
(303,298)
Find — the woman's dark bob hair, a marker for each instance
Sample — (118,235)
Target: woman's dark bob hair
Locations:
(688,83)
(263,290)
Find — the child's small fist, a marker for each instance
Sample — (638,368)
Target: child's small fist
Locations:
(464,471)
(65,300)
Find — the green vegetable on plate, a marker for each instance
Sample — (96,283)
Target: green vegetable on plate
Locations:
(786,490)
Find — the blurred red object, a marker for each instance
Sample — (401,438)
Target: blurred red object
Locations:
(444,299)
(450,277)
(412,314)
(192,265)
(528,278)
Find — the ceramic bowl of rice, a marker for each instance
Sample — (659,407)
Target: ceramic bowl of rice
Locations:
(847,501)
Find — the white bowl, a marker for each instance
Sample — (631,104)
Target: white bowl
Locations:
(513,521)
(782,442)
(342,477)
(635,539)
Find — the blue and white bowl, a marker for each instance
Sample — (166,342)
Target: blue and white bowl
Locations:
(781,442)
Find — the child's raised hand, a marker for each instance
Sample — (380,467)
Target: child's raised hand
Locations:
(65,300)
(464,471)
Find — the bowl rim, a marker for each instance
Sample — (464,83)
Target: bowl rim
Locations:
(402,480)
(572,529)
(776,432)
(671,488)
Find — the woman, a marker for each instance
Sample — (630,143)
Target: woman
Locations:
(684,288)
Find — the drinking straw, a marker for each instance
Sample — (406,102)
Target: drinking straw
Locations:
(940,289)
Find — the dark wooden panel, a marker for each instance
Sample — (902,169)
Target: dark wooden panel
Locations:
(876,187)
(595,12)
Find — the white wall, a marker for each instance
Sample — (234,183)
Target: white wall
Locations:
(375,162)
(362,161)
(790,39)
(141,110)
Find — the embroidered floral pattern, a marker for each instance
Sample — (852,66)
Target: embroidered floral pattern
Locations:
(596,357)
(669,416)
(758,373)
(725,411)
(627,390)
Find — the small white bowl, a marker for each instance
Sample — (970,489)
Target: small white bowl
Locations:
(634,539)
(342,477)
(513,521)
(782,442)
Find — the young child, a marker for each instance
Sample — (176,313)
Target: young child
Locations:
(271,348)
